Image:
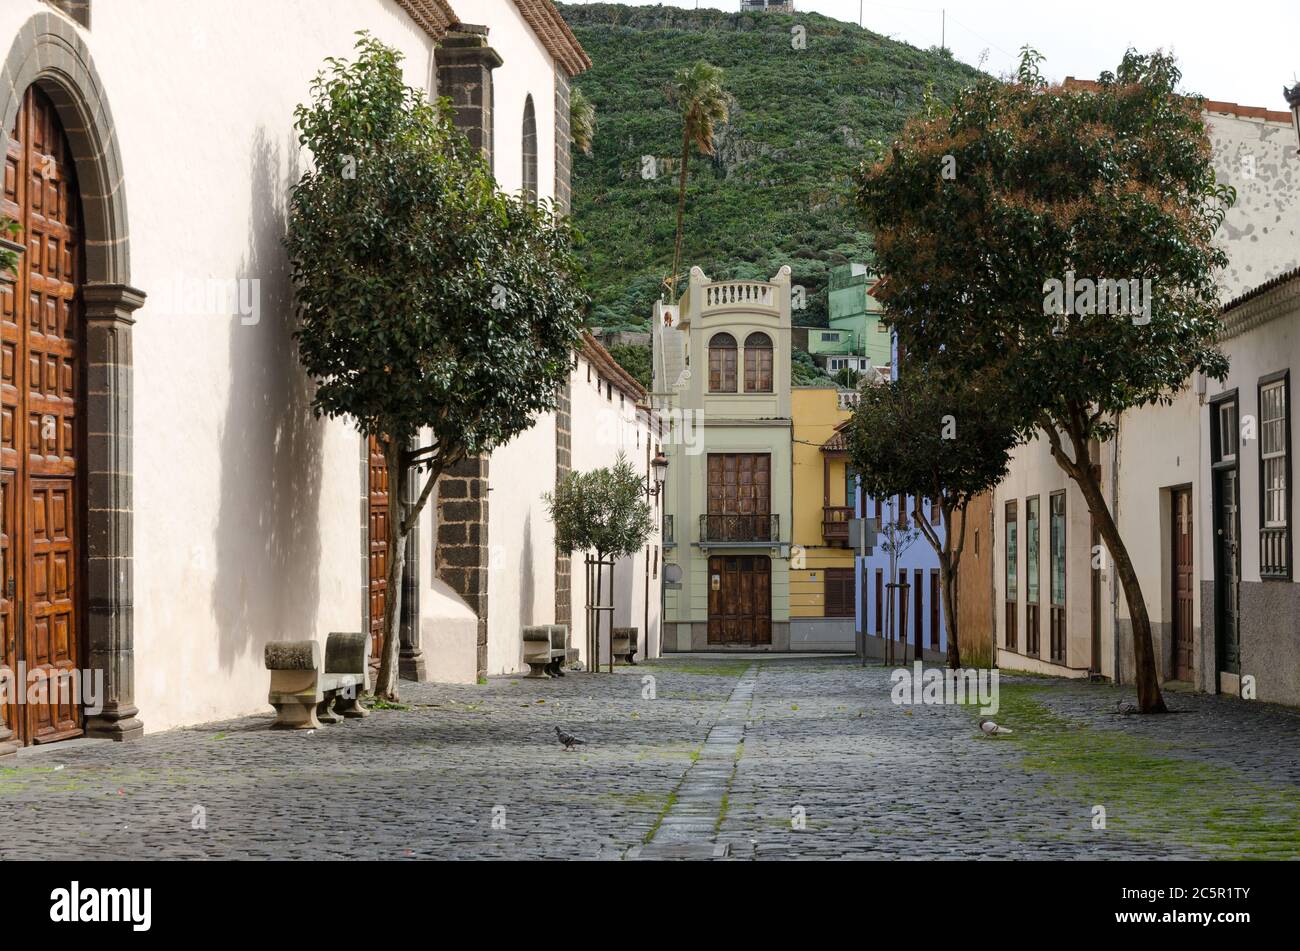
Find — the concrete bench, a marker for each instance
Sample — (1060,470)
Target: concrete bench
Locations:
(545,650)
(561,653)
(303,693)
(625,644)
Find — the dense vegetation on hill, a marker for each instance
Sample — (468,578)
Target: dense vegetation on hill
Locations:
(778,190)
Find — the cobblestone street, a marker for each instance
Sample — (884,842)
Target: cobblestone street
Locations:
(733,758)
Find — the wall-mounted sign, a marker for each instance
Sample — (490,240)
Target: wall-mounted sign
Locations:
(716,582)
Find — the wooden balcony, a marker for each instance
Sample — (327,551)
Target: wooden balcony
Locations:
(835,523)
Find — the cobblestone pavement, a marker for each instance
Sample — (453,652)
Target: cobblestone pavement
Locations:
(803,759)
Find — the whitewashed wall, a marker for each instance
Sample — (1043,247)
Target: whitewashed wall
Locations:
(601,430)
(247,526)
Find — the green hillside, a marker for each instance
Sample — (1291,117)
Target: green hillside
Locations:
(778,191)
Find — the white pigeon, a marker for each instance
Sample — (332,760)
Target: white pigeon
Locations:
(992,729)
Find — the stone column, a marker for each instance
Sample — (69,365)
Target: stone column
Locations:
(563,465)
(410,658)
(563,142)
(108,467)
(465,64)
(462,555)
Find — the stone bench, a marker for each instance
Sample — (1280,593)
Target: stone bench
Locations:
(303,693)
(561,652)
(545,650)
(625,644)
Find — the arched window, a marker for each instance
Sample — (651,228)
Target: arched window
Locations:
(758,363)
(530,151)
(722,364)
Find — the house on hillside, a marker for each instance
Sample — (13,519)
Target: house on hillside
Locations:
(722,382)
(856,337)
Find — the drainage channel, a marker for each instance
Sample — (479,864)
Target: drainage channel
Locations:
(689,828)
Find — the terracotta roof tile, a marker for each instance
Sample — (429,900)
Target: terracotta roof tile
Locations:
(609,368)
(436,16)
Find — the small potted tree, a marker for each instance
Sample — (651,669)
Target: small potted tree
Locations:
(604,513)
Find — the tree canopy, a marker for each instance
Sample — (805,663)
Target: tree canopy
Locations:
(602,510)
(428,298)
(1062,237)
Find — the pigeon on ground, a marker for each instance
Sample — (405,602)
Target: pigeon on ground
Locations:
(568,739)
(1125,708)
(991,728)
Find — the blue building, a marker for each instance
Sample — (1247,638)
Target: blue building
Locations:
(899,596)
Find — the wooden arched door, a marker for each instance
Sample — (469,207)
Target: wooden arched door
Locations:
(41,426)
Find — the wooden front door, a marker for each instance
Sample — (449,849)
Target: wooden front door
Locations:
(41,434)
(1227,573)
(1184,582)
(377,542)
(740,600)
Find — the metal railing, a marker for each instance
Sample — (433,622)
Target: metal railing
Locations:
(739,528)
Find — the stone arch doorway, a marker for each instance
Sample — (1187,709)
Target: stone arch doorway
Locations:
(71,541)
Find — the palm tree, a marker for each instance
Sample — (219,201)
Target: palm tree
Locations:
(582,121)
(697,91)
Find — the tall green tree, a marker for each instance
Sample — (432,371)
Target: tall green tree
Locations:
(430,305)
(698,93)
(984,211)
(582,121)
(934,435)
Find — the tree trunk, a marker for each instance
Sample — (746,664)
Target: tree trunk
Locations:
(948,581)
(681,215)
(386,683)
(1080,469)
(1150,699)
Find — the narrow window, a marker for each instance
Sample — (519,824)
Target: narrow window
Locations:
(934,609)
(1056,590)
(758,363)
(722,364)
(1012,559)
(1031,576)
(880,597)
(1275,479)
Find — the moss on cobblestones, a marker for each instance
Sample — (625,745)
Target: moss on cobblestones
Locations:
(1148,793)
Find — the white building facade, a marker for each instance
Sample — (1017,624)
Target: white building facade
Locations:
(177,506)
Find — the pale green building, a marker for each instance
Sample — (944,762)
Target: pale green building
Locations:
(722,387)
(856,333)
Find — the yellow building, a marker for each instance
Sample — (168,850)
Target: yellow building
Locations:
(821,563)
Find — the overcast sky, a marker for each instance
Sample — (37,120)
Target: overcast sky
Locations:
(1241,51)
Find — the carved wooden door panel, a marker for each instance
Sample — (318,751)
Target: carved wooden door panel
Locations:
(41,419)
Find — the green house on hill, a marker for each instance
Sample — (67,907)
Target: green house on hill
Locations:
(856,333)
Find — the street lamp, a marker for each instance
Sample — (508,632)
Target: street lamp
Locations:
(1293,100)
(659,465)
